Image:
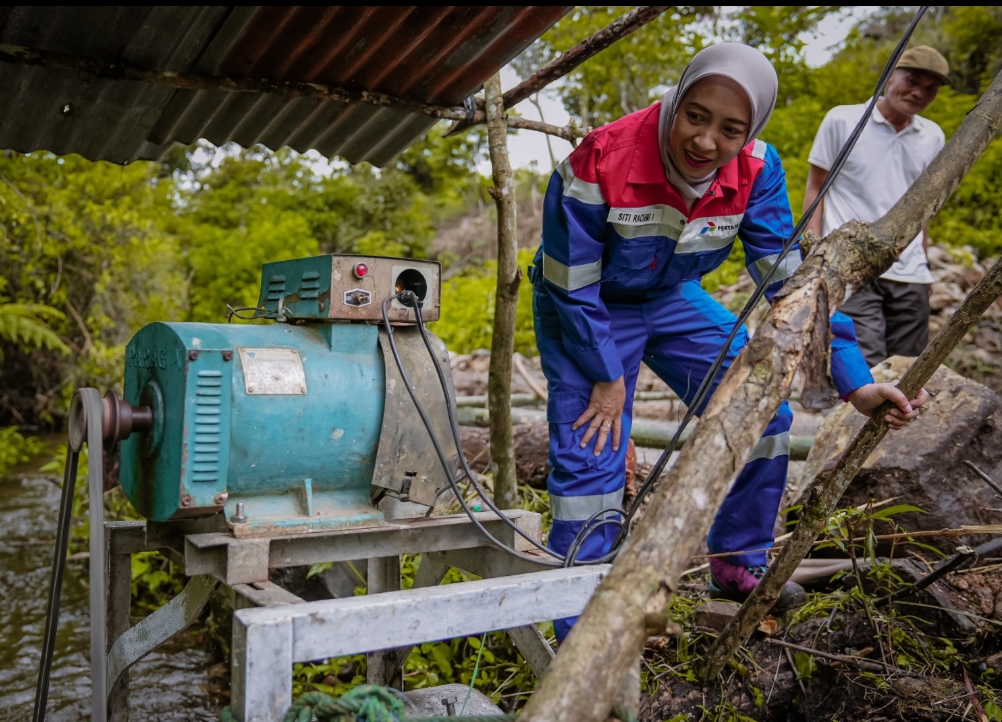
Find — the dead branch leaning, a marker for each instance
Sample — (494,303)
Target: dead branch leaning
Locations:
(580,685)
(829,485)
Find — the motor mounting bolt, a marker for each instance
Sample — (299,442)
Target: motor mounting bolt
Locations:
(193,355)
(450,705)
(239,517)
(187,501)
(221,498)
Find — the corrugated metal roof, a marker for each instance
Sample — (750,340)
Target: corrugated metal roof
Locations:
(435,55)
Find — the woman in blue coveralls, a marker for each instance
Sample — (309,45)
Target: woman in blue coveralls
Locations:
(633,218)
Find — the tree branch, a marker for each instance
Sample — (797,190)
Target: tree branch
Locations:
(587,48)
(569,132)
(580,684)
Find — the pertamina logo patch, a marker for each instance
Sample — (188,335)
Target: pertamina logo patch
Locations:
(634,217)
(711,227)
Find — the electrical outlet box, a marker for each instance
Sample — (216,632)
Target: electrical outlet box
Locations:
(349,288)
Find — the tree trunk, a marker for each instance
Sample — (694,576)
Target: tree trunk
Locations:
(505,302)
(582,681)
(829,485)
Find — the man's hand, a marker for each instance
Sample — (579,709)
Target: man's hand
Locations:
(868,398)
(604,414)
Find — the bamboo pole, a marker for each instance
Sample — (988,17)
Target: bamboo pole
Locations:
(505,301)
(828,486)
(582,680)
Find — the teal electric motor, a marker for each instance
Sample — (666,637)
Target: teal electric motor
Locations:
(301,421)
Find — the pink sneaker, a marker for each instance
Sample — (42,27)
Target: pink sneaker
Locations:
(734,582)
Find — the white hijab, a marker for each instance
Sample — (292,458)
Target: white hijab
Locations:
(747,67)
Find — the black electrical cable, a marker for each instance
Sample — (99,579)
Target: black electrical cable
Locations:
(593,522)
(702,393)
(438,448)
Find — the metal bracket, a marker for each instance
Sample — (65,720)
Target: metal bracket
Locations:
(157,628)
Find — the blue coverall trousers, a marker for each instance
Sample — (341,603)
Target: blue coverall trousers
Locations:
(677,333)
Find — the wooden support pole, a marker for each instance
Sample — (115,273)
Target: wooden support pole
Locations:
(581,683)
(829,485)
(505,301)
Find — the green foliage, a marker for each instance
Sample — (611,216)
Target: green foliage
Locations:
(17,449)
(27,325)
(255,207)
(778,30)
(84,262)
(727,272)
(805,665)
(467,321)
(629,75)
(501,670)
(445,169)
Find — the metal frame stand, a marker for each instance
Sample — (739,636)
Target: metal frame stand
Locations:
(274,628)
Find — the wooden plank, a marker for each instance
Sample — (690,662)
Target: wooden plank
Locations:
(343,627)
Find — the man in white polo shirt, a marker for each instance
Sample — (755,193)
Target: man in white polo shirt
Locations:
(891,314)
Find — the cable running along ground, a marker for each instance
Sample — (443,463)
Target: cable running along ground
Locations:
(606,517)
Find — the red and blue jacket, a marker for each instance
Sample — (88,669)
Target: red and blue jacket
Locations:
(614,227)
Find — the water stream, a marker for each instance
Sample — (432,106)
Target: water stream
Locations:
(173,683)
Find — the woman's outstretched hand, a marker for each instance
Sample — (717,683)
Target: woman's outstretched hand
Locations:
(604,414)
(868,398)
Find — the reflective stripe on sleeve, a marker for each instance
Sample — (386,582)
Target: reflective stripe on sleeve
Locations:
(786,269)
(769,447)
(571,278)
(578,189)
(759,149)
(581,508)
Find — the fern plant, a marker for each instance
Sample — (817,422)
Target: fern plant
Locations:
(27,324)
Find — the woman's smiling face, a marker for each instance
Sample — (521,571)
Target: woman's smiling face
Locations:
(710,128)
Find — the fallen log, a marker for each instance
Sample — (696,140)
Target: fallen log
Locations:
(646,433)
(580,684)
(534,400)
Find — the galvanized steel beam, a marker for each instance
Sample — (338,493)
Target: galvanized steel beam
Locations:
(342,627)
(214,553)
(158,627)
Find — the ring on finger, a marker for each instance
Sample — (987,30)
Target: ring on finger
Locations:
(606,425)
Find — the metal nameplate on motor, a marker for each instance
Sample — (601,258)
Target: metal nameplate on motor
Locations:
(273,371)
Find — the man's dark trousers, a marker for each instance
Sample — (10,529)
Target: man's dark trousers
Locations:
(891,318)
